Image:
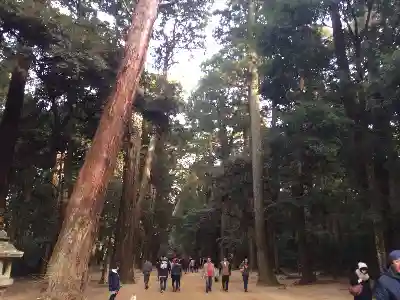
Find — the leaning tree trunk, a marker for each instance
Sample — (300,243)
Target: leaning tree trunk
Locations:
(69,262)
(124,245)
(9,123)
(144,183)
(265,272)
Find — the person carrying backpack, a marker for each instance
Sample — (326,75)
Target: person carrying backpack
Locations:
(360,285)
(388,284)
(176,273)
(163,274)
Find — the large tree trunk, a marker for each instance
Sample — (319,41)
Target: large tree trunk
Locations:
(360,160)
(125,248)
(265,272)
(9,123)
(69,262)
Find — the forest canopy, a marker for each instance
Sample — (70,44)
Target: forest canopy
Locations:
(286,152)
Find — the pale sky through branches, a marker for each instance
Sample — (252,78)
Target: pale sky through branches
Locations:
(188,69)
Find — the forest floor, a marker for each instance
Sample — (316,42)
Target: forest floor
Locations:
(193,286)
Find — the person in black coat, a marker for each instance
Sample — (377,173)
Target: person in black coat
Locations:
(388,284)
(361,277)
(114,283)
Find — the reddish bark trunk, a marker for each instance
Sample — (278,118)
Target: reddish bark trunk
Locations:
(9,124)
(69,262)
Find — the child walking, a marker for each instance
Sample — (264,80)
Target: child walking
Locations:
(114,283)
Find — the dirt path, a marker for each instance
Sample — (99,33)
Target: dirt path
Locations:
(193,289)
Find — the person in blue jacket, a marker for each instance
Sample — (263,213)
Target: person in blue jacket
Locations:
(114,283)
(388,284)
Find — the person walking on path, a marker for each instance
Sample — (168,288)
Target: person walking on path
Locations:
(245,270)
(208,274)
(225,271)
(191,265)
(163,274)
(147,268)
(176,273)
(114,283)
(360,285)
(388,284)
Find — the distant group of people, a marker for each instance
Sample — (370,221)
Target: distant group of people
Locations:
(387,286)
(175,267)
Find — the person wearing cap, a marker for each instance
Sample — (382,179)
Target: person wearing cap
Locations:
(360,285)
(388,284)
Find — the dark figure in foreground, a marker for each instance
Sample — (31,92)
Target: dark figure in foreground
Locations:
(388,284)
(114,283)
(176,273)
(225,271)
(163,274)
(245,270)
(360,285)
(208,274)
(147,268)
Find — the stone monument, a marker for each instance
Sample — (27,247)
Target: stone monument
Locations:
(7,253)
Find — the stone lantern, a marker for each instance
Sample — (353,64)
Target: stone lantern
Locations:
(7,253)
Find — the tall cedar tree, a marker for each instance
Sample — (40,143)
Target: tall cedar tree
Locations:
(69,262)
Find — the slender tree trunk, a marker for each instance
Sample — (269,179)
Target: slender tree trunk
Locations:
(146,173)
(125,248)
(144,185)
(106,261)
(69,262)
(224,156)
(265,273)
(9,123)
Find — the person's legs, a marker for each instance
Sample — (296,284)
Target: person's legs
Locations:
(146,278)
(227,283)
(208,287)
(112,296)
(223,281)
(245,282)
(173,279)
(210,280)
(178,282)
(163,283)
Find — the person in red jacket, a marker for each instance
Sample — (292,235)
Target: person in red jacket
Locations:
(209,271)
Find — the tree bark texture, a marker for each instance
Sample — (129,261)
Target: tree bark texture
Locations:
(9,123)
(125,248)
(69,262)
(265,273)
